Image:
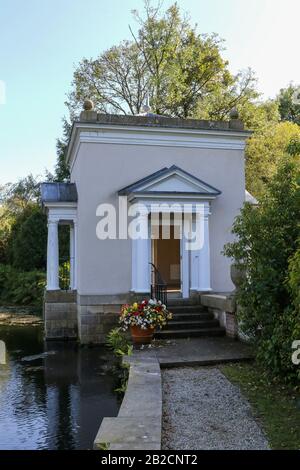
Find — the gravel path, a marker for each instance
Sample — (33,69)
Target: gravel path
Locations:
(203,410)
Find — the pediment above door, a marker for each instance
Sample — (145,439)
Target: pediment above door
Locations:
(170,182)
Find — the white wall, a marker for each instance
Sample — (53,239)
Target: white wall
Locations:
(100,170)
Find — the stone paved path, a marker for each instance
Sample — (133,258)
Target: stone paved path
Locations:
(203,410)
(200,351)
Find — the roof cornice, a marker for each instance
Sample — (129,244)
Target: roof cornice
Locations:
(95,132)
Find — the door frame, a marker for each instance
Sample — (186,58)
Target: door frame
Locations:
(184,267)
(184,264)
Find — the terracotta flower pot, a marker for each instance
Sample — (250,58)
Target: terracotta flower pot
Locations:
(141,336)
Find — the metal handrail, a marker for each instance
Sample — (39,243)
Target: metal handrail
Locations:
(158,286)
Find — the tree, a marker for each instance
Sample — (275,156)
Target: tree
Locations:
(62,171)
(264,151)
(18,200)
(29,246)
(258,116)
(266,239)
(289,104)
(23,226)
(20,194)
(182,72)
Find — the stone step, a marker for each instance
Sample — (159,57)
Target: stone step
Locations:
(189,333)
(193,316)
(186,308)
(189,325)
(180,301)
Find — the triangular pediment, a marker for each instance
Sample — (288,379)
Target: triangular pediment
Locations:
(170,181)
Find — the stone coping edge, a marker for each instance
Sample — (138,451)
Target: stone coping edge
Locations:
(223,302)
(138,424)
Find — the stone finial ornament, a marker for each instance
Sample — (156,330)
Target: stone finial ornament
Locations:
(234,114)
(88,105)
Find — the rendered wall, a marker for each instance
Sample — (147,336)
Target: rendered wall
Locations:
(100,170)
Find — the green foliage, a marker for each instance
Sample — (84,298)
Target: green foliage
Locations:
(30,243)
(181,71)
(62,171)
(289,104)
(23,226)
(64,242)
(294,283)
(293,147)
(266,240)
(18,195)
(122,375)
(257,116)
(117,340)
(64,275)
(264,152)
(21,288)
(21,201)
(6,222)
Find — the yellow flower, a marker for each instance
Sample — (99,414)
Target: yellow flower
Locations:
(135,305)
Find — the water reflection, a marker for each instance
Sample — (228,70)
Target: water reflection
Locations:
(2,353)
(52,396)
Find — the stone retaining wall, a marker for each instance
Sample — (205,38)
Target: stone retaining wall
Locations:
(95,322)
(60,315)
(224,309)
(98,314)
(138,424)
(68,315)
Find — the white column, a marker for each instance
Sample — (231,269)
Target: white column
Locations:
(204,254)
(52,256)
(72,258)
(185,256)
(75,272)
(141,257)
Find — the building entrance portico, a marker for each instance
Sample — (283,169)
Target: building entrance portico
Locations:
(173,209)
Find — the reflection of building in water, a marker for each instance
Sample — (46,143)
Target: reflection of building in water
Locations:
(79,393)
(4,366)
(2,353)
(96,391)
(62,395)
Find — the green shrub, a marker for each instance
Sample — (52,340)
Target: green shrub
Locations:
(29,247)
(117,340)
(294,279)
(266,240)
(21,288)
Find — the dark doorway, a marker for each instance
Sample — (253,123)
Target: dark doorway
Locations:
(166,258)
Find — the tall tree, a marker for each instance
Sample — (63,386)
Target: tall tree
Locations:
(289,104)
(265,151)
(180,70)
(62,171)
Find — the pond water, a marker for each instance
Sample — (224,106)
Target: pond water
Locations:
(52,395)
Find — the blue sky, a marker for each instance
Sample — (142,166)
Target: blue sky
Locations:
(42,41)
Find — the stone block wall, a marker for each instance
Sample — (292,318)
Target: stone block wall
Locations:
(98,314)
(95,322)
(60,315)
(224,309)
(231,325)
(68,315)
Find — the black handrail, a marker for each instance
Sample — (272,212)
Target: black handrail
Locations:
(158,286)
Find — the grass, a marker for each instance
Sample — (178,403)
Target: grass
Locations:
(275,406)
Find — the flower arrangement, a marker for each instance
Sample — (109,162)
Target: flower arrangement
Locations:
(146,314)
